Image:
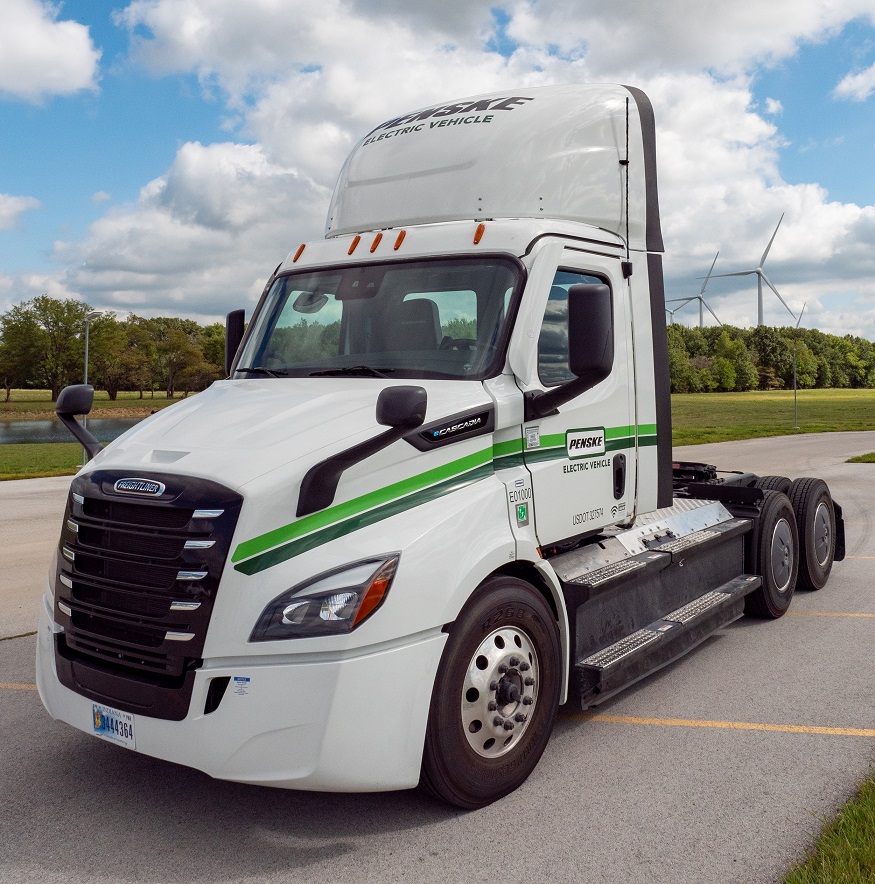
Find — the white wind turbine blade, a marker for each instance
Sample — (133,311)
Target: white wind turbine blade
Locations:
(708,308)
(769,284)
(800,313)
(702,290)
(766,252)
(737,273)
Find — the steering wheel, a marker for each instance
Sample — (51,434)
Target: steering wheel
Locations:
(467,344)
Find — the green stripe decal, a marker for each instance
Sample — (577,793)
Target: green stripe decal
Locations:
(283,543)
(339,529)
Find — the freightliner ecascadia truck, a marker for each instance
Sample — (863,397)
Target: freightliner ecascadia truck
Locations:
(435,497)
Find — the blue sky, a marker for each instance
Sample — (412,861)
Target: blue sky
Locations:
(172,173)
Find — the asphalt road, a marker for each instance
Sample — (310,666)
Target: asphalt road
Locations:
(719,768)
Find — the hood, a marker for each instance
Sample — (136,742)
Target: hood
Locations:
(237,431)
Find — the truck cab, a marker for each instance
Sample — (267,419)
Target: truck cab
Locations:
(434,498)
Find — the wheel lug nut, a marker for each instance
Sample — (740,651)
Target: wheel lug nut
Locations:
(524,667)
(498,721)
(502,669)
(527,701)
(519,717)
(493,686)
(492,706)
(508,725)
(529,681)
(514,661)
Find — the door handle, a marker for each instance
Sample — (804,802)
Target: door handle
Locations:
(619,475)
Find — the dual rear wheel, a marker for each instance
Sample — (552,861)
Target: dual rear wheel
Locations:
(795,542)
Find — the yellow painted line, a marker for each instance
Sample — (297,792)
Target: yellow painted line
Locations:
(728,725)
(16,687)
(825,614)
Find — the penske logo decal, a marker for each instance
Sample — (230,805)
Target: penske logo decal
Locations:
(465,113)
(581,443)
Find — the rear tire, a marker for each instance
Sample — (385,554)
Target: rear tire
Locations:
(774,483)
(816,523)
(777,552)
(495,695)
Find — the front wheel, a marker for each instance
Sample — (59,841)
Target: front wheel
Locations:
(495,696)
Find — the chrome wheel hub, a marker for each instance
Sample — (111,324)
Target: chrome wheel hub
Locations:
(500,692)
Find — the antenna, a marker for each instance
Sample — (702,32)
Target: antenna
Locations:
(761,277)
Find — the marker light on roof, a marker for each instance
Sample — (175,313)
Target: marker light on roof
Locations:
(400,239)
(478,234)
(299,252)
(376,242)
(352,246)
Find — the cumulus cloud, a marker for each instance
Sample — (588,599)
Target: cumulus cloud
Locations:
(41,55)
(305,84)
(857,87)
(200,240)
(12,207)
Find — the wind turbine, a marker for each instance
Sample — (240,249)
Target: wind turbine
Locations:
(700,298)
(761,276)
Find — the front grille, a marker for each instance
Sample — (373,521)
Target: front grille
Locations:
(135,588)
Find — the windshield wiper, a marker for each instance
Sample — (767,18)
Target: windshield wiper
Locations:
(260,369)
(353,370)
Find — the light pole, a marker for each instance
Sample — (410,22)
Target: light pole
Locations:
(92,314)
(795,410)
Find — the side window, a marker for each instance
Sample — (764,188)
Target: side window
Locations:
(553,341)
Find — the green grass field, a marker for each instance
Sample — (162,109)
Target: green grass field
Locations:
(720,417)
(36,461)
(24,404)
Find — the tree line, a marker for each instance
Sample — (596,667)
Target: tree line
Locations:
(725,358)
(42,345)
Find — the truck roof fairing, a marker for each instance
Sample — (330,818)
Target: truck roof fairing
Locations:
(548,152)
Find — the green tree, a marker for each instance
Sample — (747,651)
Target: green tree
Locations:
(19,350)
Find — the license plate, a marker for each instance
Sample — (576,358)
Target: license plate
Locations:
(111,724)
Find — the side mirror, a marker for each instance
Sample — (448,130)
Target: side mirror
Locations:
(234,326)
(590,348)
(590,332)
(401,407)
(76,399)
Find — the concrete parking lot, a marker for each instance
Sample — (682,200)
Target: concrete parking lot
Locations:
(721,767)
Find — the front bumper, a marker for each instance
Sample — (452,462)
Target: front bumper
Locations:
(325,723)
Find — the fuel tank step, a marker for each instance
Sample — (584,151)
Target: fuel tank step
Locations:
(602,674)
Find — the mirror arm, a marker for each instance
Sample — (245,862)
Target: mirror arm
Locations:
(541,403)
(90,443)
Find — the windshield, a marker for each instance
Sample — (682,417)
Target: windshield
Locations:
(418,319)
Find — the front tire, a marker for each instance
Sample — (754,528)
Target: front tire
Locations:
(495,696)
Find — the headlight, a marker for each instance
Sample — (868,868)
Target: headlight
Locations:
(334,602)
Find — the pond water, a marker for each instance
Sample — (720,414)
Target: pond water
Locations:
(52,430)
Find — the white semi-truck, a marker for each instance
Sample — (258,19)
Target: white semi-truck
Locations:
(435,497)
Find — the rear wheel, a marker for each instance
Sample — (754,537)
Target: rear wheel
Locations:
(777,552)
(816,522)
(495,696)
(774,483)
